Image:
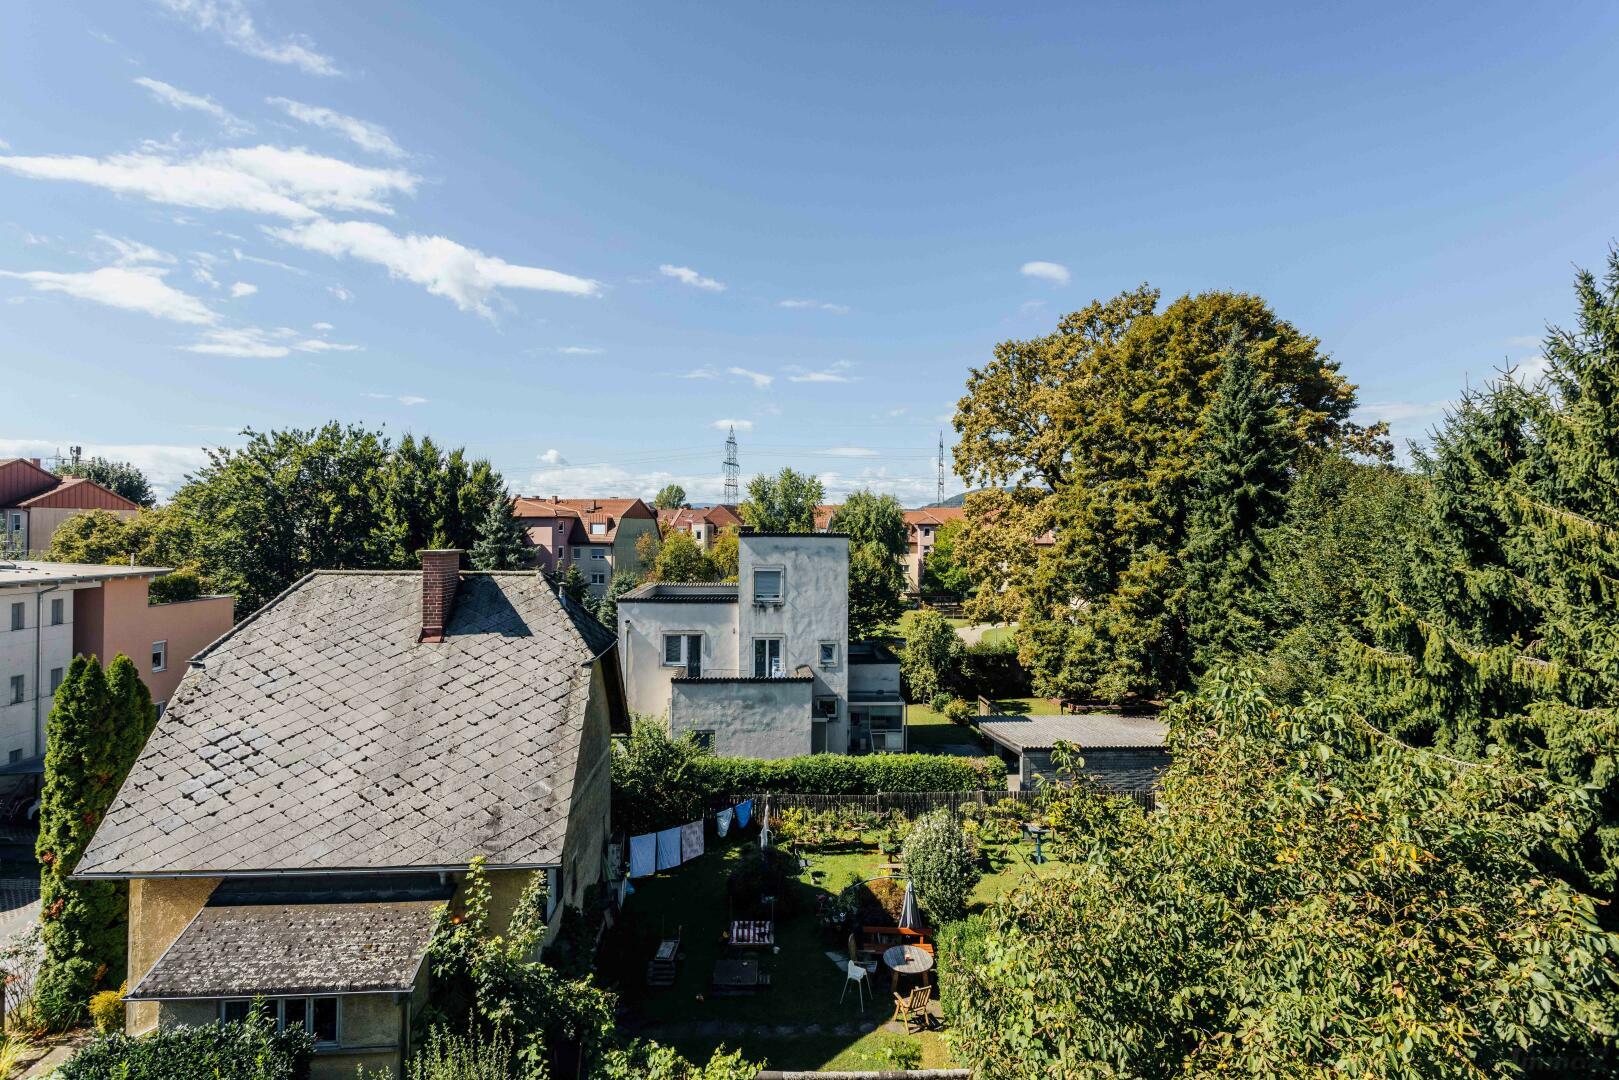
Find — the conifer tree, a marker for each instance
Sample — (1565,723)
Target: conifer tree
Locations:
(1241,493)
(1509,636)
(98,724)
(574,586)
(500,538)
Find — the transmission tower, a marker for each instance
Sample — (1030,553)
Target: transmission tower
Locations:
(939,499)
(732,469)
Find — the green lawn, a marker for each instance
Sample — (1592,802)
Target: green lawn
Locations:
(805,983)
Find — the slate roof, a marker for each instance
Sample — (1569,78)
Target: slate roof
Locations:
(290,949)
(1090,731)
(320,735)
(662,592)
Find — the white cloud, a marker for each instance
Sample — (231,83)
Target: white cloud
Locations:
(230,20)
(757,378)
(133,252)
(687,276)
(403,399)
(818,305)
(241,289)
(293,184)
(553,457)
(240,257)
(1029,307)
(1056,273)
(580,350)
(848,452)
(340,292)
(175,98)
(836,373)
(901,411)
(562,478)
(130,288)
(4,145)
(253,343)
(726,425)
(705,372)
(442,266)
(362,133)
(1401,412)
(165,466)
(322,326)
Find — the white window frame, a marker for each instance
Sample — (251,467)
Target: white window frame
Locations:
(160,655)
(598,528)
(781,656)
(598,577)
(278,1007)
(575,555)
(781,588)
(58,611)
(598,551)
(19,615)
(57,674)
(821,700)
(17,689)
(684,637)
(832,664)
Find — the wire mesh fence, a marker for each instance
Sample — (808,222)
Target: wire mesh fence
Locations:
(913,804)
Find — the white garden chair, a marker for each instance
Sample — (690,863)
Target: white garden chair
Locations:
(854,973)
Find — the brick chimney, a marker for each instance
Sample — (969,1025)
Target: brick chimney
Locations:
(441,573)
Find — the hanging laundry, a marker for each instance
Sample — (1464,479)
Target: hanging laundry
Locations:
(669,848)
(744,810)
(691,840)
(643,855)
(722,821)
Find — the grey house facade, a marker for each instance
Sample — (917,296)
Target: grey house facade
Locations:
(325,775)
(762,668)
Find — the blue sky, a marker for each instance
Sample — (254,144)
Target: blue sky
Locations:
(581,240)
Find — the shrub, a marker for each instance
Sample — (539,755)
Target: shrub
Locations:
(249,1050)
(931,660)
(648,1061)
(107,1010)
(991,669)
(176,586)
(962,948)
(940,702)
(942,864)
(960,711)
(446,1056)
(904,1053)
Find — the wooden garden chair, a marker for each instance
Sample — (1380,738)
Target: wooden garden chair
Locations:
(913,1008)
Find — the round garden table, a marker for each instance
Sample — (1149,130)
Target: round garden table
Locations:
(907,960)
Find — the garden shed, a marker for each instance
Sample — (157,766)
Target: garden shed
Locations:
(1123,752)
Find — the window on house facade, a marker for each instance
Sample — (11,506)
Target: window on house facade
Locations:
(17,616)
(14,757)
(17,689)
(160,655)
(598,552)
(16,523)
(56,678)
(320,1016)
(704,739)
(598,528)
(767,586)
(57,608)
(826,708)
(598,577)
(684,650)
(829,654)
(767,658)
(575,553)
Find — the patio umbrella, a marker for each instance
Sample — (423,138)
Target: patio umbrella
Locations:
(764,827)
(909,917)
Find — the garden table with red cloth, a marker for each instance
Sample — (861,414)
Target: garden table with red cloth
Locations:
(753,932)
(907,960)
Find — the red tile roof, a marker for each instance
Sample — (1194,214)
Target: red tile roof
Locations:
(27,486)
(684,517)
(608,512)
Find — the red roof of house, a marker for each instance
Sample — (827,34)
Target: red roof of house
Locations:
(25,485)
(933,515)
(684,517)
(587,512)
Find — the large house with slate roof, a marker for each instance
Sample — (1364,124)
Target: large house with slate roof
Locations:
(325,774)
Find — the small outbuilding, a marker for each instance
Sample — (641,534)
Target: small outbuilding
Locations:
(1123,752)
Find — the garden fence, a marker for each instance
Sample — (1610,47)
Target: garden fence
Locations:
(913,804)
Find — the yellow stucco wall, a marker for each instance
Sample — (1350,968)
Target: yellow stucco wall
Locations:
(159,908)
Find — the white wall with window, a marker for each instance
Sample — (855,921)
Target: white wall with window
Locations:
(36,647)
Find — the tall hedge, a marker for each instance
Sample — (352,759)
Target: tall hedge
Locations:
(659,781)
(249,1050)
(98,723)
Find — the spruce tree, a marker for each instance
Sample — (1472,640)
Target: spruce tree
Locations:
(500,538)
(1508,637)
(1240,494)
(574,586)
(98,724)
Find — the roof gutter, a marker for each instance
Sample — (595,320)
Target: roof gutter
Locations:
(319,871)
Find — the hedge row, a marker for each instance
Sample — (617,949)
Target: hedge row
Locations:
(247,1050)
(838,774)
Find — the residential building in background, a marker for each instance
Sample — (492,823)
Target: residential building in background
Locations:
(323,779)
(52,612)
(596,535)
(763,667)
(704,523)
(921,526)
(34,501)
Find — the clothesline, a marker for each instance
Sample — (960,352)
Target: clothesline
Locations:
(669,848)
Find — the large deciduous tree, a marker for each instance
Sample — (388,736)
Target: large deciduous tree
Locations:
(878,541)
(1097,435)
(98,723)
(785,502)
(1336,902)
(669,497)
(944,570)
(118,476)
(681,560)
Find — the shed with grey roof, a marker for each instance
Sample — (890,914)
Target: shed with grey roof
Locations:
(1122,752)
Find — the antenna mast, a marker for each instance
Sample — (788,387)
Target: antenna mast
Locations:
(939,499)
(732,469)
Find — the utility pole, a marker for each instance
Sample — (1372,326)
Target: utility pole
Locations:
(939,498)
(732,469)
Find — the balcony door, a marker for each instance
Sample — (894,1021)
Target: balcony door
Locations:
(767,658)
(694,655)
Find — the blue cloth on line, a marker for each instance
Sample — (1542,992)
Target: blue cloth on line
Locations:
(669,848)
(722,821)
(643,855)
(691,840)
(744,810)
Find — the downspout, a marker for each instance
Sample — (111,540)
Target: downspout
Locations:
(39,624)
